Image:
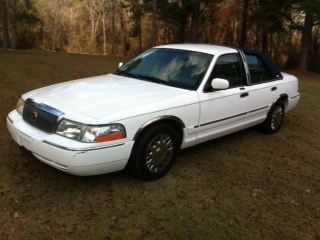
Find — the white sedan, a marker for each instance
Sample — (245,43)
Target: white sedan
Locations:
(169,97)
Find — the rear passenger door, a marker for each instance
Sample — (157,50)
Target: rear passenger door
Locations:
(263,89)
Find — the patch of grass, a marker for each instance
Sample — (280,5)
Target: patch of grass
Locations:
(243,186)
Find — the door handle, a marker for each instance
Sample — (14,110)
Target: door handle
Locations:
(273,89)
(242,95)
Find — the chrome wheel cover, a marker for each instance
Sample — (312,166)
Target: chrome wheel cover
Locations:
(276,117)
(159,153)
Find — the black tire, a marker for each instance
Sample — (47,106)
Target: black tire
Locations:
(274,120)
(154,152)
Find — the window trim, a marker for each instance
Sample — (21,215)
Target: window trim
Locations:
(266,67)
(245,81)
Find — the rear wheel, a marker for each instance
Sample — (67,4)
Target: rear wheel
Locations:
(274,119)
(154,152)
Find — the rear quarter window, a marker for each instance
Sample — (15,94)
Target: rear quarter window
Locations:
(258,70)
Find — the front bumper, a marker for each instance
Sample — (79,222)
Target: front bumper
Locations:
(67,155)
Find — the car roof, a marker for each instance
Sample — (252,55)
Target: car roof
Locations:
(204,48)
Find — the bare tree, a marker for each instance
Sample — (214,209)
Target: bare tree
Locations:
(104,30)
(309,23)
(139,20)
(113,26)
(4,21)
(93,7)
(56,9)
(12,6)
(154,23)
(244,23)
(123,26)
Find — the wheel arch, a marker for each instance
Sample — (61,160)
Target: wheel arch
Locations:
(284,98)
(174,121)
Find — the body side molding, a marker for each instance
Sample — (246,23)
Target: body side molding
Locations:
(157,119)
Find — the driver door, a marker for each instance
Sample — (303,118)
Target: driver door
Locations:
(224,111)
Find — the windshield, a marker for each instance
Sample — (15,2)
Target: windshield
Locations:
(177,68)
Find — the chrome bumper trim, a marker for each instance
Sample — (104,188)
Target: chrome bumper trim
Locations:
(296,96)
(51,163)
(82,149)
(10,120)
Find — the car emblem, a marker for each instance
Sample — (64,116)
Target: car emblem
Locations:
(34,116)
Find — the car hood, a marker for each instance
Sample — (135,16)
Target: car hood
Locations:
(110,97)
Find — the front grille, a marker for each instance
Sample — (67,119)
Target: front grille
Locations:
(41,116)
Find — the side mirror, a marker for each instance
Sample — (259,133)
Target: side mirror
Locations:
(220,84)
(120,64)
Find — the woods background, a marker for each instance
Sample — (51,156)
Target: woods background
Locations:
(289,30)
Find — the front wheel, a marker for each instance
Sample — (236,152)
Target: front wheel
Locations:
(274,119)
(154,152)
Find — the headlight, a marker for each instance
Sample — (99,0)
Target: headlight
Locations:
(90,134)
(20,106)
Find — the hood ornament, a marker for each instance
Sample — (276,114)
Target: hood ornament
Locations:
(34,116)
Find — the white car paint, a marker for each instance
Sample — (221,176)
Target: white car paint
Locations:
(134,103)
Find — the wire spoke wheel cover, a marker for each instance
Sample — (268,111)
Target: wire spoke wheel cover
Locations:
(159,153)
(276,117)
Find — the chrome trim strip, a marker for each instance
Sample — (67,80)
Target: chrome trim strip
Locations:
(82,149)
(165,117)
(227,118)
(10,119)
(51,163)
(295,96)
(45,108)
(220,120)
(258,109)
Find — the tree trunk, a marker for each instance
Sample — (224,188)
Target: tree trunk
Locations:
(182,32)
(244,23)
(154,23)
(306,40)
(165,33)
(139,26)
(104,32)
(195,22)
(4,21)
(12,7)
(92,32)
(139,34)
(257,37)
(41,34)
(123,33)
(113,26)
(54,31)
(264,39)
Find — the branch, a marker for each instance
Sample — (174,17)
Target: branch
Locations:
(207,4)
(296,27)
(204,7)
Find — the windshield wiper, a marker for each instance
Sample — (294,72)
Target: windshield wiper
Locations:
(124,73)
(143,77)
(153,79)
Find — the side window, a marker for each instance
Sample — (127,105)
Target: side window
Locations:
(258,70)
(229,67)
